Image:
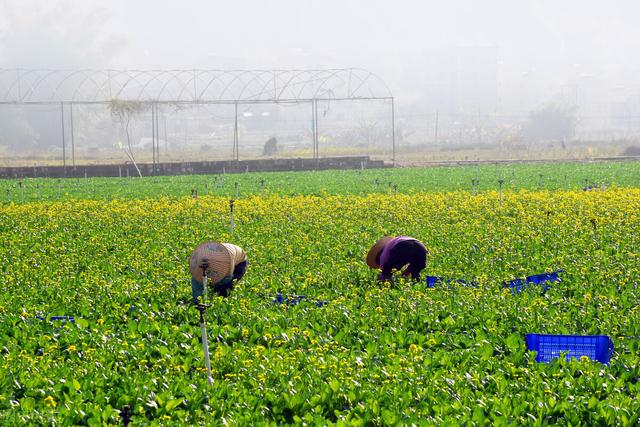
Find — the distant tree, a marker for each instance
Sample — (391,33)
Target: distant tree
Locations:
(270,147)
(17,134)
(124,112)
(551,123)
(632,150)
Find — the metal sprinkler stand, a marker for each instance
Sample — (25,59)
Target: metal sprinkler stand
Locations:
(205,344)
(126,414)
(203,328)
(232,224)
(205,280)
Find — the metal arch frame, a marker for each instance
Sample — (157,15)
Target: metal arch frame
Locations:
(256,78)
(42,79)
(324,82)
(294,75)
(363,81)
(185,85)
(174,76)
(288,85)
(214,77)
(153,77)
(292,86)
(237,76)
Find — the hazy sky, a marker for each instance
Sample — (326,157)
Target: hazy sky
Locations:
(540,45)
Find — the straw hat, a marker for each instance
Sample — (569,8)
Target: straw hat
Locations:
(217,256)
(375,250)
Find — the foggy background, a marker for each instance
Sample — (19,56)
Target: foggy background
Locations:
(508,77)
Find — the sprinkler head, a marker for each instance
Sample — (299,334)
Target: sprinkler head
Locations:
(204,266)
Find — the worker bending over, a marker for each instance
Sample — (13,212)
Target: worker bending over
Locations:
(393,253)
(224,264)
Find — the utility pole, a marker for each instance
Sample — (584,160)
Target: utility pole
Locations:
(436,134)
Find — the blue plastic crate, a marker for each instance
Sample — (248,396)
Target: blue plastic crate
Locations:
(549,347)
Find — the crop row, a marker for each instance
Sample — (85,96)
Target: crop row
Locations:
(543,176)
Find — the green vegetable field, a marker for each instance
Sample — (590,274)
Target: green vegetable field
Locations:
(113,253)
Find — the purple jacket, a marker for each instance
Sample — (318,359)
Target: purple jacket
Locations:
(400,251)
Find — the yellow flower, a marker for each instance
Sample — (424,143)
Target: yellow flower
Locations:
(100,321)
(584,358)
(71,348)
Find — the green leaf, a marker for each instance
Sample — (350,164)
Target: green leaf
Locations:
(172,404)
(478,414)
(389,417)
(486,351)
(514,342)
(82,323)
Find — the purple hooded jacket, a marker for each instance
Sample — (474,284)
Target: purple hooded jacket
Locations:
(400,251)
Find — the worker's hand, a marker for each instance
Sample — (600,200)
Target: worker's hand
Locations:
(410,273)
(382,277)
(223,287)
(225,281)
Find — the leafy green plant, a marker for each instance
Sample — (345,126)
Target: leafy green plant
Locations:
(375,355)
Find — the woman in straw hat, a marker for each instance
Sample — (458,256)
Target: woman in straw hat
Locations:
(224,264)
(393,253)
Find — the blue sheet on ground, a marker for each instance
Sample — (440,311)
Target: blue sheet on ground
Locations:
(432,281)
(517,285)
(58,318)
(295,299)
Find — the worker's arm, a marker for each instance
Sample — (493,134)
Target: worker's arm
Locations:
(417,261)
(197,289)
(385,273)
(414,270)
(240,269)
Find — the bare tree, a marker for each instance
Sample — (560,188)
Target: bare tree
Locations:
(124,111)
